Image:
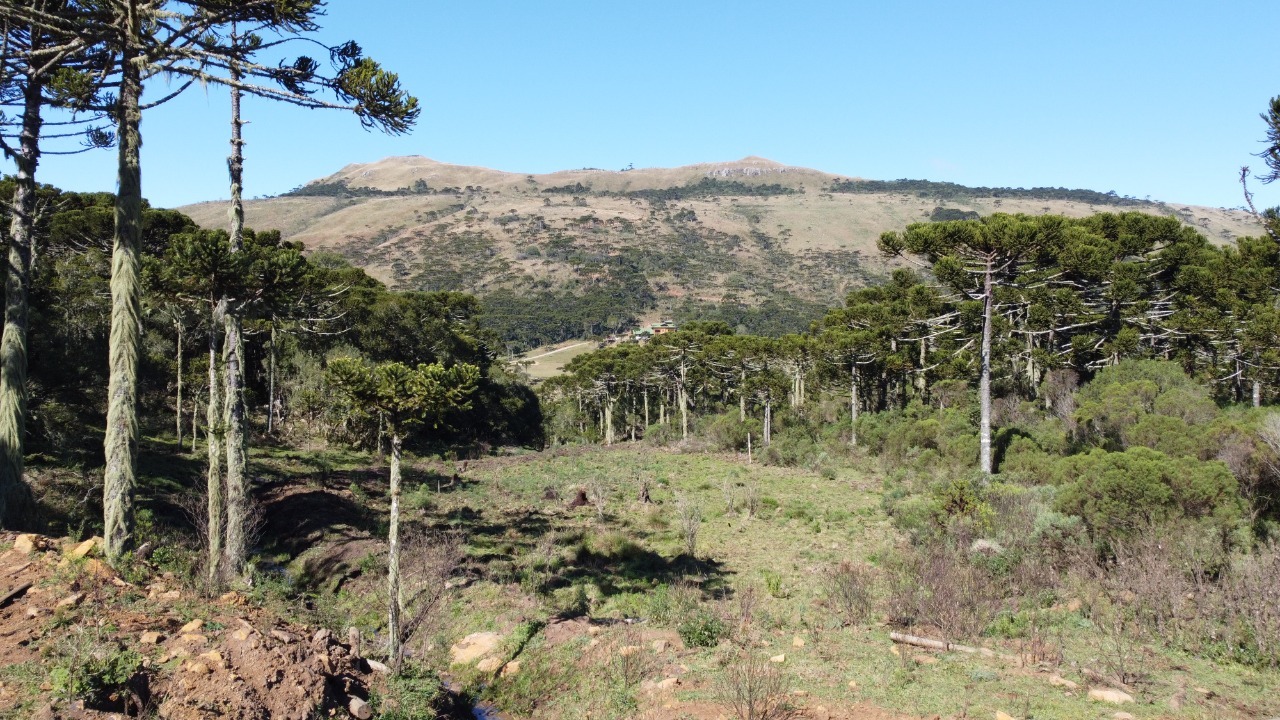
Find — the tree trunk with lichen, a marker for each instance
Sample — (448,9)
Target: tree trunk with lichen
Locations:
(121,437)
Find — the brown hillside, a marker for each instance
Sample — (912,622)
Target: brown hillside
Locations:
(478,230)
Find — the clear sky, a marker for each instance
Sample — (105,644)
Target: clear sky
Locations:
(1156,99)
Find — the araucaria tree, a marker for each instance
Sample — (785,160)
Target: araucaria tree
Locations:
(974,259)
(196,41)
(403,397)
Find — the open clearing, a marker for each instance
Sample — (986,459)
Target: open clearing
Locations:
(547,362)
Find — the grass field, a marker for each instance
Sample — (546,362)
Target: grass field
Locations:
(548,361)
(570,588)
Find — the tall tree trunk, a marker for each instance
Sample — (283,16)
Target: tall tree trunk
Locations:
(393,556)
(853,404)
(237,443)
(177,403)
(271,380)
(768,421)
(17,283)
(216,520)
(1257,393)
(646,407)
(121,438)
(684,403)
(984,382)
(608,420)
(742,395)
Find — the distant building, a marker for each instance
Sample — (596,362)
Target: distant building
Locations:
(643,335)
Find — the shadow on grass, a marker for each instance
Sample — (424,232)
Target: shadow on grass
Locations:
(506,545)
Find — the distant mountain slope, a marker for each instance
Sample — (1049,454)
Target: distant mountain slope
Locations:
(649,240)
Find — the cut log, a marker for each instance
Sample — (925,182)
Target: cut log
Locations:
(14,594)
(945,646)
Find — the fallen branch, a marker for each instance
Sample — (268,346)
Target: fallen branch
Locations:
(14,594)
(945,646)
(1101,679)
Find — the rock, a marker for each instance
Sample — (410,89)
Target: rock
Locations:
(213,657)
(628,650)
(489,664)
(1122,716)
(668,683)
(196,668)
(359,709)
(83,549)
(1074,605)
(171,596)
(986,547)
(26,544)
(473,647)
(150,638)
(321,637)
(232,598)
(1059,681)
(71,600)
(659,646)
(34,612)
(193,638)
(778,658)
(375,666)
(797,642)
(853,684)
(511,668)
(192,627)
(1001,715)
(1115,697)
(925,659)
(242,634)
(284,637)
(820,713)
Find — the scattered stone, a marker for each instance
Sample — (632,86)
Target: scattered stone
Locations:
(83,549)
(983,546)
(232,597)
(171,596)
(800,693)
(34,611)
(853,684)
(71,600)
(359,709)
(925,659)
(1059,681)
(284,637)
(797,642)
(473,647)
(628,650)
(820,713)
(375,666)
(150,638)
(511,668)
(1115,697)
(241,635)
(321,637)
(489,664)
(659,646)
(192,627)
(193,638)
(196,668)
(1001,715)
(214,657)
(1122,716)
(778,658)
(26,544)
(668,683)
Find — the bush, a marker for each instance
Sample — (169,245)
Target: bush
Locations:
(702,629)
(1115,493)
(727,432)
(849,589)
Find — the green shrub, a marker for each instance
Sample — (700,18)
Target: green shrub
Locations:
(702,629)
(1115,493)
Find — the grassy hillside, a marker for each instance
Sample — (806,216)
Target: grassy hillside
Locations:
(642,242)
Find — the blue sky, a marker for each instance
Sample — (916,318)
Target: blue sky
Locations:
(1156,99)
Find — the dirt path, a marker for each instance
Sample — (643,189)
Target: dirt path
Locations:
(553,352)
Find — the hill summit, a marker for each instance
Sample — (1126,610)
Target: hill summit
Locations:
(597,249)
